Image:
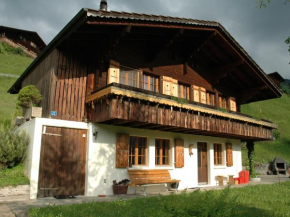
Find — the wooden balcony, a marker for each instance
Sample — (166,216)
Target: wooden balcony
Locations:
(121,105)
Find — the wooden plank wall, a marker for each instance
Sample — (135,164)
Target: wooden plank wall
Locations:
(61,79)
(41,78)
(69,91)
(132,110)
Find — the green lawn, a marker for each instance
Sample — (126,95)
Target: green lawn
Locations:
(14,64)
(276,110)
(259,200)
(7,102)
(13,177)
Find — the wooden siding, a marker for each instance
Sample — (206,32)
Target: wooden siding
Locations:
(62,81)
(70,87)
(41,77)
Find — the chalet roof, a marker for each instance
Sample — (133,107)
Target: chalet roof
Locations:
(89,16)
(28,35)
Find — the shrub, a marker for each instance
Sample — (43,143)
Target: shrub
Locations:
(12,146)
(2,48)
(19,51)
(28,96)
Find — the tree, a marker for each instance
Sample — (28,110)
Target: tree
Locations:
(264,3)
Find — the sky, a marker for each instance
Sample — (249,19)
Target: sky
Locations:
(261,32)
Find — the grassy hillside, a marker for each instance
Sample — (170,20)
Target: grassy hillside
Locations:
(276,110)
(12,62)
(7,102)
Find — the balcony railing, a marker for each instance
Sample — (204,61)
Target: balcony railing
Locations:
(123,105)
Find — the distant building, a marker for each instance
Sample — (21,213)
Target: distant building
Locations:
(276,78)
(29,41)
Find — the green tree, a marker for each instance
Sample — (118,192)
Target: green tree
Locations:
(13,145)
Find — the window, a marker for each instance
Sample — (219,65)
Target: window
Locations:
(128,76)
(218,154)
(210,99)
(150,83)
(162,152)
(183,91)
(137,150)
(223,102)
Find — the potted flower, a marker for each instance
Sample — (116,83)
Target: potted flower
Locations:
(120,187)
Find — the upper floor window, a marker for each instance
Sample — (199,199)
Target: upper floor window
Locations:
(162,151)
(128,76)
(223,102)
(150,83)
(218,154)
(137,150)
(183,91)
(210,99)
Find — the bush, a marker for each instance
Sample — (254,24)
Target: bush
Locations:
(2,48)
(12,146)
(19,51)
(28,96)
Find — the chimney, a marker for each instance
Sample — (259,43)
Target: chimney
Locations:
(103,5)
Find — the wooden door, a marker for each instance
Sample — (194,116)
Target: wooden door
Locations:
(202,162)
(62,162)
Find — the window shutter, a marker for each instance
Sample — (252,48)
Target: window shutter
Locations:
(166,85)
(174,88)
(229,150)
(122,150)
(203,95)
(179,153)
(195,90)
(233,106)
(114,72)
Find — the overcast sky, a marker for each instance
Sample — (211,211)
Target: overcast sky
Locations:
(261,32)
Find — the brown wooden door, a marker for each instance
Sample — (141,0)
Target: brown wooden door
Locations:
(62,162)
(202,162)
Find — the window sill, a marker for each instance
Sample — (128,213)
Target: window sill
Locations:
(138,167)
(164,167)
(220,167)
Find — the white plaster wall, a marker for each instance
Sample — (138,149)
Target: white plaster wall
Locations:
(33,158)
(101,170)
(29,127)
(101,156)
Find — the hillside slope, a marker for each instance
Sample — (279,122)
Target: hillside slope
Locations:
(276,110)
(12,62)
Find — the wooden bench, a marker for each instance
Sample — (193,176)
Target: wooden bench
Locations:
(150,177)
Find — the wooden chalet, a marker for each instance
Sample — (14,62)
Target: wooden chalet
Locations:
(29,41)
(181,77)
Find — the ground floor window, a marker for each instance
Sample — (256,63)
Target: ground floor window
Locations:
(137,150)
(218,154)
(162,151)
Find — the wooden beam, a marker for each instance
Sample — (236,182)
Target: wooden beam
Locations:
(212,35)
(225,69)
